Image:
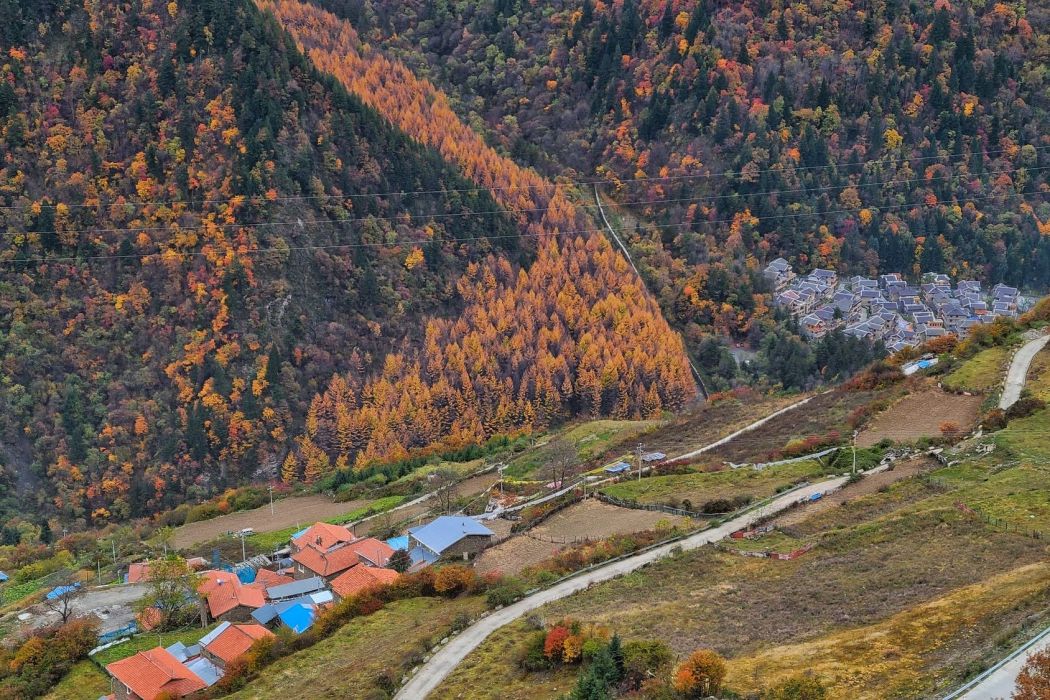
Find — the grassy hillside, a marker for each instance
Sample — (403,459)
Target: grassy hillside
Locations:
(940,568)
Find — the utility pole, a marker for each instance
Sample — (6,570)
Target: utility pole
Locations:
(270,487)
(638,455)
(854,451)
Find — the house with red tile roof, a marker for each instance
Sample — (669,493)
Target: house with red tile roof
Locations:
(153,673)
(271,578)
(228,642)
(226,598)
(313,560)
(137,572)
(322,536)
(360,578)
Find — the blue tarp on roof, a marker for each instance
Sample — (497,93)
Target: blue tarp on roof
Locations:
(246,574)
(397,543)
(443,532)
(61,591)
(299,617)
(617,468)
(3,577)
(299,534)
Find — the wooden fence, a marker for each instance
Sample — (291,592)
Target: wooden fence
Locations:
(604,498)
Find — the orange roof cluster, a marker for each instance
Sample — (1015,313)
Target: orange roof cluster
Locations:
(361,578)
(235,640)
(155,672)
(224,592)
(342,556)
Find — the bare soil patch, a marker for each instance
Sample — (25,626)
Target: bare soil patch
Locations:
(823,413)
(921,415)
(588,520)
(293,510)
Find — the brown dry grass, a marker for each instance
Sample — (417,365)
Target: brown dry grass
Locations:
(887,659)
(921,415)
(588,520)
(293,510)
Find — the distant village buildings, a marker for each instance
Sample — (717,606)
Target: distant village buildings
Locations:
(889,309)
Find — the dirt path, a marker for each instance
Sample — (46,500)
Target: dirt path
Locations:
(289,511)
(869,484)
(432,673)
(921,415)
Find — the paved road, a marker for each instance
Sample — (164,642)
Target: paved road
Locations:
(999,685)
(443,662)
(113,605)
(1015,378)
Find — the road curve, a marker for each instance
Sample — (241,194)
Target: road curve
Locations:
(1015,377)
(999,683)
(444,661)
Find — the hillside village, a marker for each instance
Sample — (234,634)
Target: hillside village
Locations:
(889,310)
(323,564)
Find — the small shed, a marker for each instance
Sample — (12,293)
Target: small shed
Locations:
(653,457)
(617,468)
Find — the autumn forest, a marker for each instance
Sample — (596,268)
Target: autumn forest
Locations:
(249,241)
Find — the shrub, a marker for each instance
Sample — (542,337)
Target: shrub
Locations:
(801,687)
(453,579)
(950,430)
(1024,407)
(994,420)
(555,642)
(531,656)
(643,659)
(700,675)
(505,594)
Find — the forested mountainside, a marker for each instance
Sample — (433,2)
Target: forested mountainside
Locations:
(574,334)
(864,136)
(201,229)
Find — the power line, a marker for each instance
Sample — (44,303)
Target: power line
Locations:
(553,186)
(552,234)
(487,212)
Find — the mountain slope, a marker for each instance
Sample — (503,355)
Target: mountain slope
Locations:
(200,229)
(574,333)
(863,136)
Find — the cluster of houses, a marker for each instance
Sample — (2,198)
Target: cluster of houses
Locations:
(889,309)
(323,564)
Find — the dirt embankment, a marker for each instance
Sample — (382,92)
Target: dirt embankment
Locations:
(293,510)
(921,415)
(588,520)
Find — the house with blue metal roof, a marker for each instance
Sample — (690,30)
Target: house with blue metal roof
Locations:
(447,536)
(299,617)
(618,468)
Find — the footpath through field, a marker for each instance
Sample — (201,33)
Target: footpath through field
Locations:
(1015,377)
(442,663)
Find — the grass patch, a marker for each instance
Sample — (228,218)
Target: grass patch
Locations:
(492,672)
(1038,384)
(770,542)
(366,656)
(888,659)
(14,592)
(268,541)
(981,373)
(592,439)
(142,642)
(701,487)
(83,682)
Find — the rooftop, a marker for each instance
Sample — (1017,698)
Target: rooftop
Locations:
(443,532)
(155,672)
